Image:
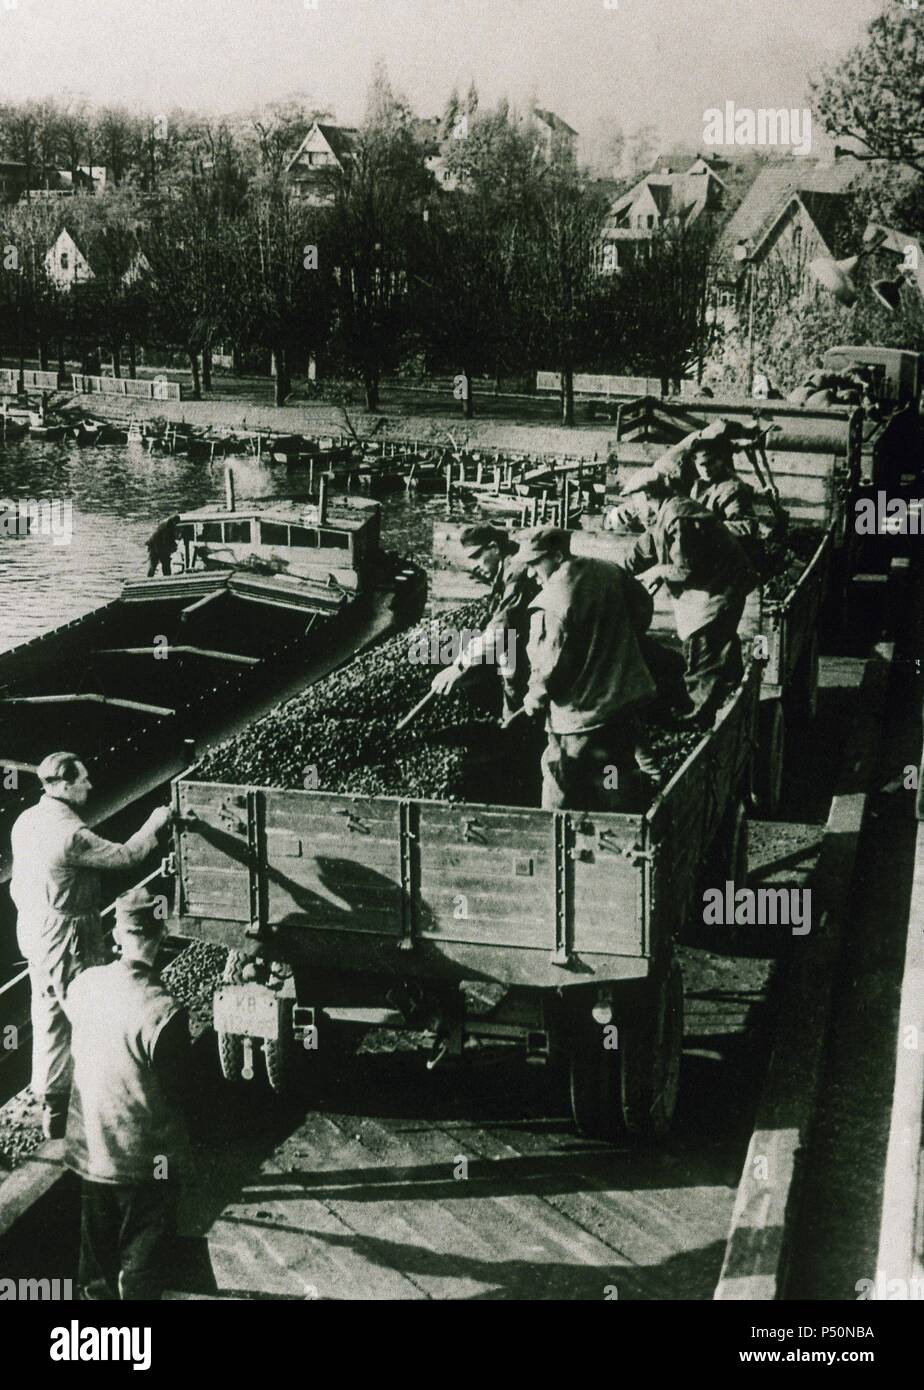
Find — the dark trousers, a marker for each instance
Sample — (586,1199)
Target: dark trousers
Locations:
(155,560)
(592,771)
(127,1239)
(713,661)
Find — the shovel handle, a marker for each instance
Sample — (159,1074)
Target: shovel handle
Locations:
(402,724)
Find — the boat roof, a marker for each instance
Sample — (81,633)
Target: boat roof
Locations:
(346,514)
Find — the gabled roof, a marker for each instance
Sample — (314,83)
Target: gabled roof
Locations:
(683,194)
(340,140)
(556,123)
(777,184)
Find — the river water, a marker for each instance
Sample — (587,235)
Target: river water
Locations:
(113,497)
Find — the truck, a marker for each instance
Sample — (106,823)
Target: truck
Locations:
(338,908)
(815,460)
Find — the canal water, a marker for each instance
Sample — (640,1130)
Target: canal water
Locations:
(110,498)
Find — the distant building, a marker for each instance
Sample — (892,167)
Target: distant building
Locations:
(12,180)
(325,148)
(557,138)
(795,210)
(657,199)
(65,263)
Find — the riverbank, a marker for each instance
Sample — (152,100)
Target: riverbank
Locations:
(389,424)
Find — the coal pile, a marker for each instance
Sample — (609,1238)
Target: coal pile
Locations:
(787,562)
(191,979)
(340,736)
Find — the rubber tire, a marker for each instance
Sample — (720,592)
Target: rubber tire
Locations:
(281,1057)
(769,756)
(651,1056)
(230,1045)
(230,1055)
(629,1091)
(804,703)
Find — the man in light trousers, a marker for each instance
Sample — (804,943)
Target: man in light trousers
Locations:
(57,862)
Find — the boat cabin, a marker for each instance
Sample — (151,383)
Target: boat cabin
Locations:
(335,545)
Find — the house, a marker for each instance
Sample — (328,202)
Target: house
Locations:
(65,263)
(324,150)
(13,180)
(557,139)
(655,200)
(795,210)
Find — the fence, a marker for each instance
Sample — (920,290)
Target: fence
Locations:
(588,385)
(127,386)
(36,381)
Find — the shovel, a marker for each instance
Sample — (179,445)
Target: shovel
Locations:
(421,704)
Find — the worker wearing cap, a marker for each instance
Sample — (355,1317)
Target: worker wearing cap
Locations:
(587,675)
(491,554)
(161,545)
(718,488)
(708,576)
(55,884)
(126,1136)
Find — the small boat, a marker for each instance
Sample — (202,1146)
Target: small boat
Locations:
(51,434)
(11,430)
(285,448)
(87,433)
(207,446)
(272,596)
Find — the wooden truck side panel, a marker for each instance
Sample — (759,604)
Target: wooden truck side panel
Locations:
(683,822)
(364,879)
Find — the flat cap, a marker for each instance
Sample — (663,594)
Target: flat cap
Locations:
(135,913)
(542,541)
(479,536)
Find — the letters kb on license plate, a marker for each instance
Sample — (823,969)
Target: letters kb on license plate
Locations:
(252,1010)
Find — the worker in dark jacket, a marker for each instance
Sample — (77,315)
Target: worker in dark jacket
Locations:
(588,678)
(718,488)
(491,555)
(708,576)
(161,545)
(126,1135)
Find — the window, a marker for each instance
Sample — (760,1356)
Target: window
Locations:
(65,260)
(209,531)
(335,540)
(305,536)
(237,532)
(610,258)
(272,533)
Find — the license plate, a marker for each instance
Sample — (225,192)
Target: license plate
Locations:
(250,1010)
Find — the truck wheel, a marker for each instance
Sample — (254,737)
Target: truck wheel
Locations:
(767,772)
(281,1055)
(595,1078)
(230,1046)
(805,693)
(651,1045)
(230,1056)
(630,1089)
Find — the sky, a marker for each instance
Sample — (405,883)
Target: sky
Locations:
(596,63)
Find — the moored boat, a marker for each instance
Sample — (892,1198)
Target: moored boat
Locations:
(268,599)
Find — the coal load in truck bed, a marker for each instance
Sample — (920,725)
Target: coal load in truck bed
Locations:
(340,734)
(788,561)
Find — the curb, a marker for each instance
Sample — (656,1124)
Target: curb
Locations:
(756,1251)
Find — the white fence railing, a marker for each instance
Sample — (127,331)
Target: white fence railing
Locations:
(127,386)
(586,384)
(35,381)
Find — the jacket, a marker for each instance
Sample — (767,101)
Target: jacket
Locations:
(585,662)
(733,501)
(57,861)
(512,592)
(706,569)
